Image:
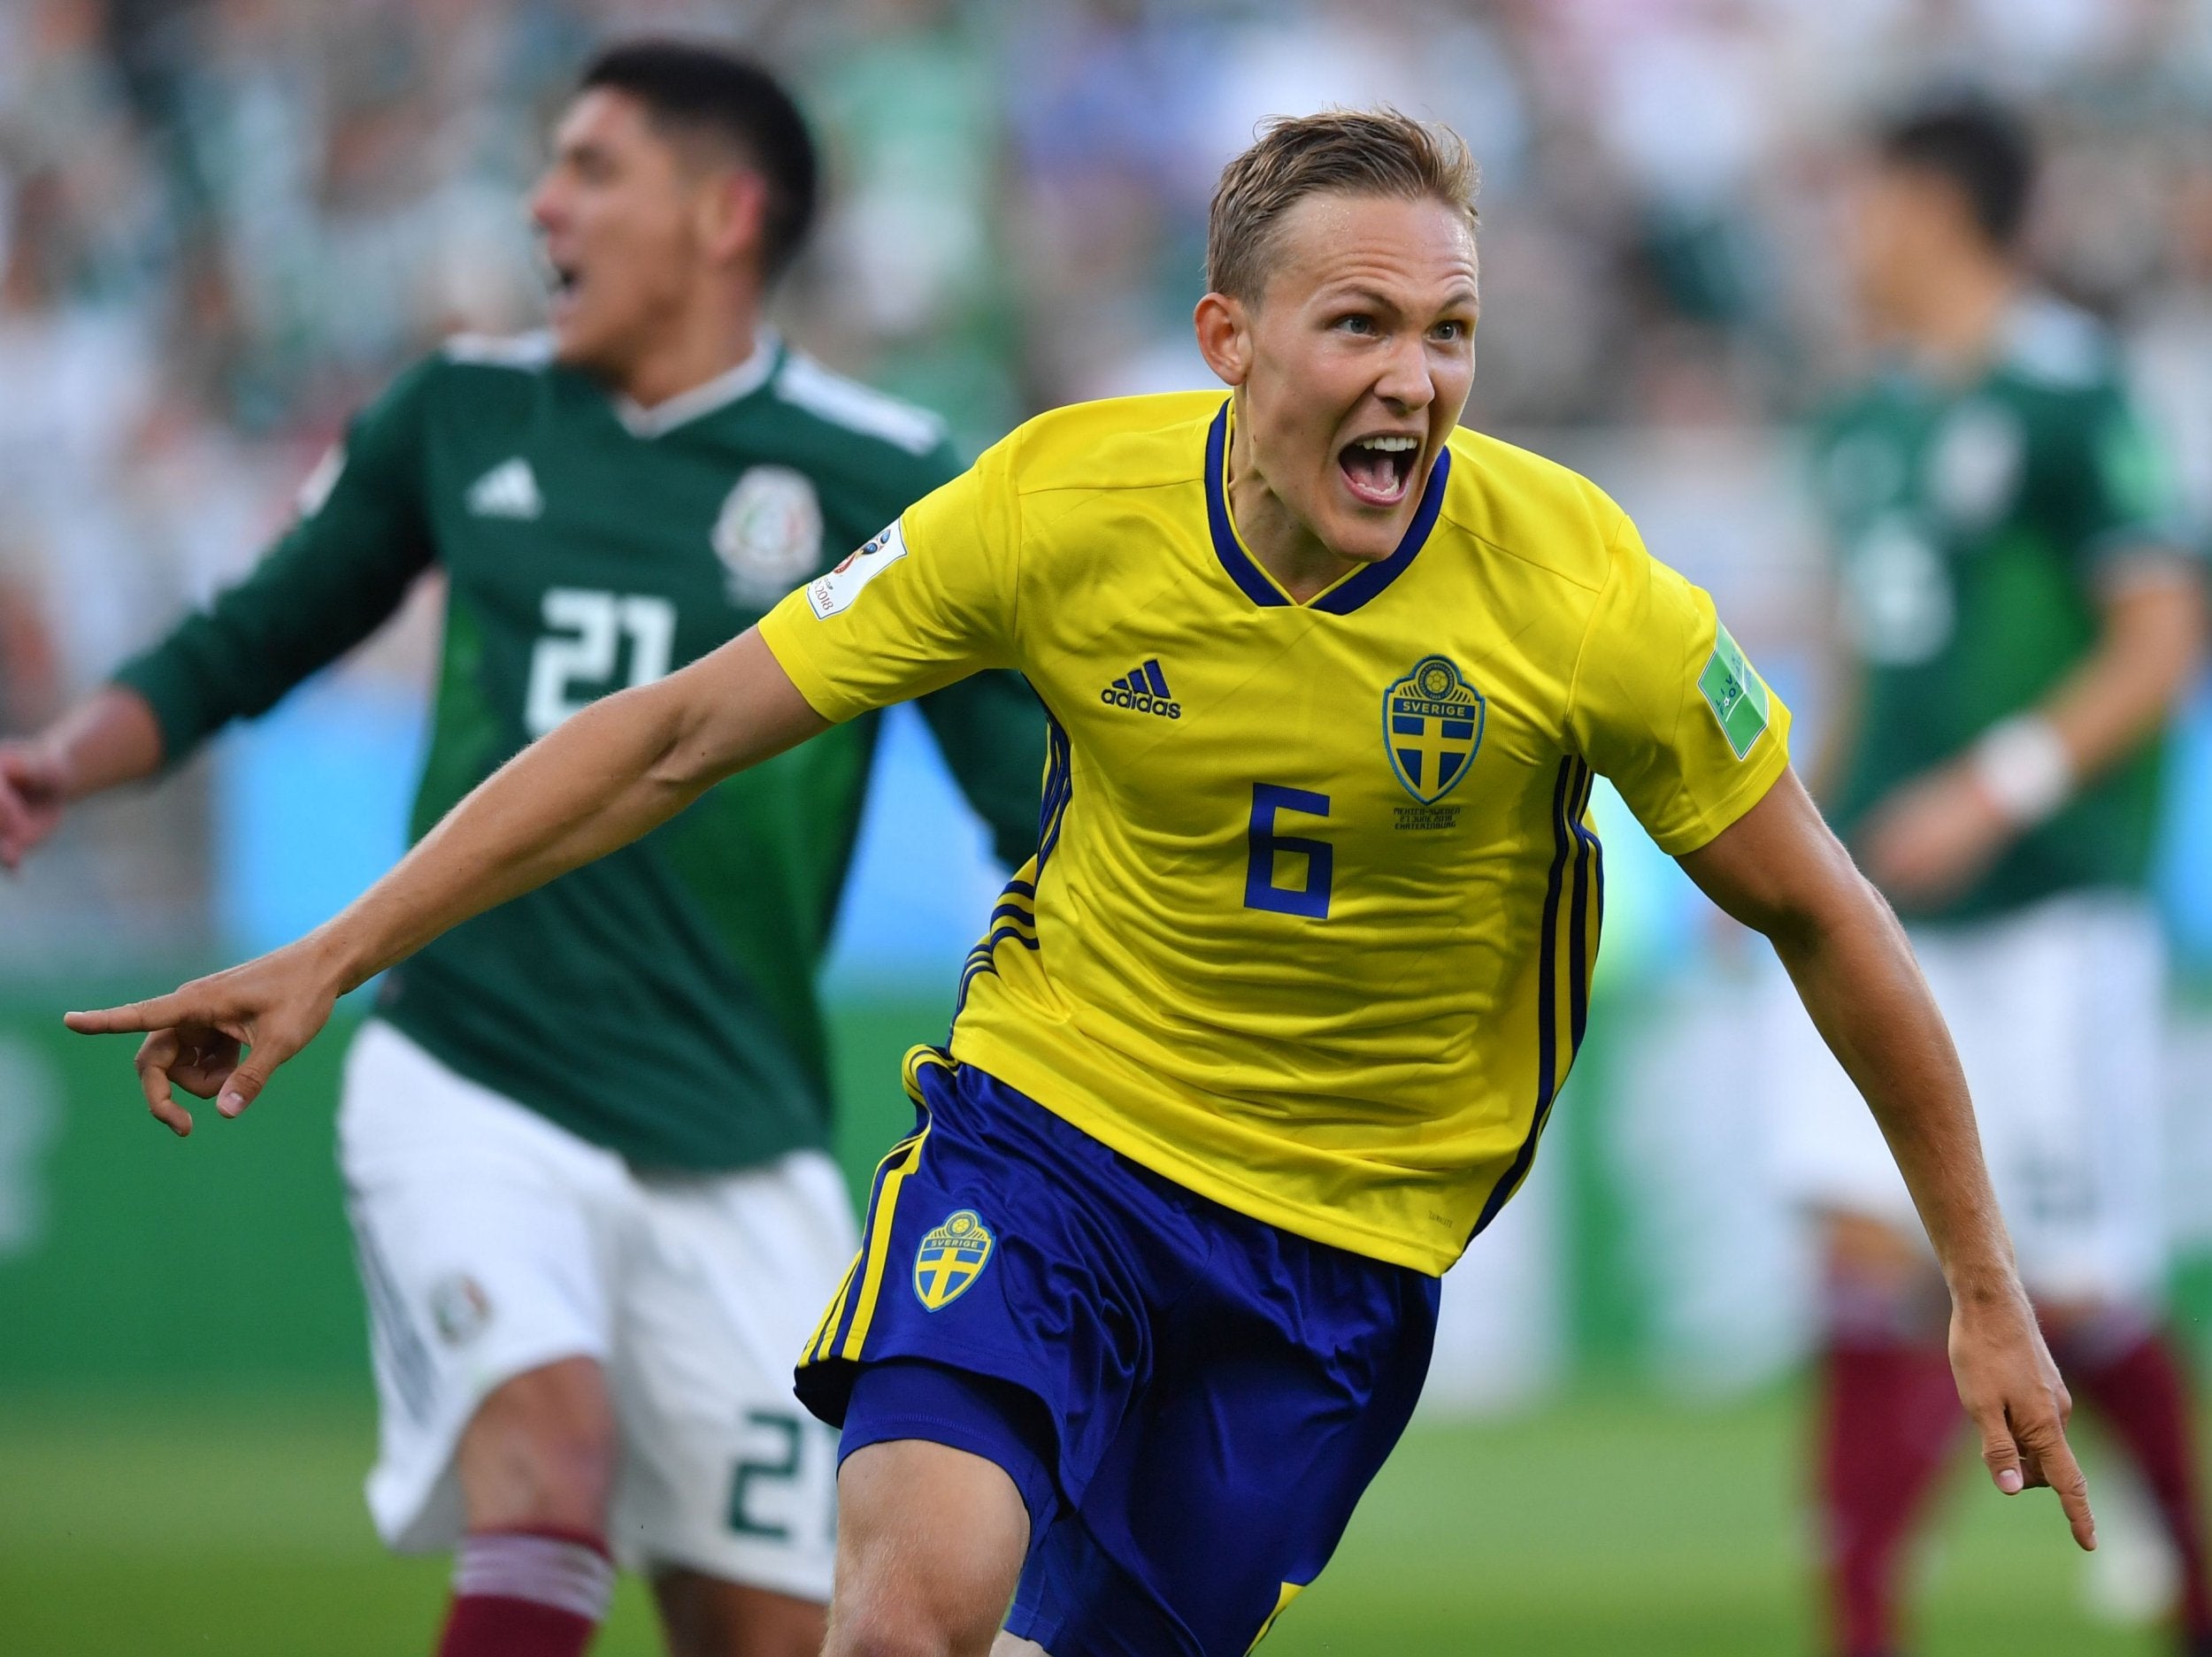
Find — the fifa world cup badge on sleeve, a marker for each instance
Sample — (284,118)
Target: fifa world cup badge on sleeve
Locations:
(951,1258)
(1736,695)
(1432,723)
(836,591)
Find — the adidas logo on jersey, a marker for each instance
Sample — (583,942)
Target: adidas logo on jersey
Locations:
(1145,689)
(508,490)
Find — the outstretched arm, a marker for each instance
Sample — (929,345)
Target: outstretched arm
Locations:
(1778,869)
(617,768)
(332,579)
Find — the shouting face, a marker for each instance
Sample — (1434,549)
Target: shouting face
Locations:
(1353,363)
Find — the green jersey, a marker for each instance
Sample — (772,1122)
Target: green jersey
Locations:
(1975,528)
(659,1002)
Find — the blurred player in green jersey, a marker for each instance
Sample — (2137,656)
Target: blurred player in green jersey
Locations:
(583,1139)
(2019,612)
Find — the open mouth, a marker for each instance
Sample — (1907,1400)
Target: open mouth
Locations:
(563,280)
(1379,471)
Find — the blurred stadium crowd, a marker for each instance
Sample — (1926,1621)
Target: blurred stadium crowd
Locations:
(223,223)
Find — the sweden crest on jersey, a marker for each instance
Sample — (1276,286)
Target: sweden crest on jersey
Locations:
(1432,726)
(951,1258)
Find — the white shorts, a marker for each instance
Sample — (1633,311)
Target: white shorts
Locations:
(492,1242)
(2057,1011)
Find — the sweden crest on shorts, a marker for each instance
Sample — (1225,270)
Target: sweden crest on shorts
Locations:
(1432,726)
(951,1258)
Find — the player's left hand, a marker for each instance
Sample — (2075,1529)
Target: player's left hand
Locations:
(223,1034)
(33,788)
(2019,1405)
(1932,836)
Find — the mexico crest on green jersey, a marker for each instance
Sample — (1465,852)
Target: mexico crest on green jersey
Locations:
(951,1258)
(768,534)
(1736,695)
(1432,723)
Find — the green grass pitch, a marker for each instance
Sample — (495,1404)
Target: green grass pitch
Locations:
(1602,1525)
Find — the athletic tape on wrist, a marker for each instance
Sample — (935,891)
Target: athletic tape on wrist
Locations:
(2023,764)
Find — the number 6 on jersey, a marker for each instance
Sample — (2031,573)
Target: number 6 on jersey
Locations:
(1310,897)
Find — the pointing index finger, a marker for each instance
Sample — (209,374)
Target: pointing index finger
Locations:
(161,1013)
(2064,1474)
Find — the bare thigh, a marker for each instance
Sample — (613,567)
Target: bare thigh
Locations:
(909,1583)
(541,1451)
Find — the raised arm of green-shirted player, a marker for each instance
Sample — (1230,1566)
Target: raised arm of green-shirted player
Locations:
(332,580)
(1665,706)
(614,771)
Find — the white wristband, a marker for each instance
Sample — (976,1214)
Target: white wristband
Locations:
(2023,764)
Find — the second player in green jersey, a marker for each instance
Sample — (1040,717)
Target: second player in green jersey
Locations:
(1975,526)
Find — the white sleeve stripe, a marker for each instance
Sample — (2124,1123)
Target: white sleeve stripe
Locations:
(808,385)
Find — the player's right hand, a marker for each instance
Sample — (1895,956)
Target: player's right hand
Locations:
(30,799)
(222,1037)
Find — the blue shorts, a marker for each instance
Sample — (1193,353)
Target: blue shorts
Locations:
(1190,1400)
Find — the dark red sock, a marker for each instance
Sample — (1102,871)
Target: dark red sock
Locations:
(1890,1415)
(526,1593)
(2141,1394)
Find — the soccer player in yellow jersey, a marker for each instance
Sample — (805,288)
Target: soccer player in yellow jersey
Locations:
(1270,1028)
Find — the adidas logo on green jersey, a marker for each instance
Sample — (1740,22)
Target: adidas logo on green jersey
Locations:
(1145,689)
(508,490)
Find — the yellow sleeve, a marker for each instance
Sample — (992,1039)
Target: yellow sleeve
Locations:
(929,601)
(1665,707)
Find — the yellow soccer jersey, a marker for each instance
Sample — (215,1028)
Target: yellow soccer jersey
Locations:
(1311,927)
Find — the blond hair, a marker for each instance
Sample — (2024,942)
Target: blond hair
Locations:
(1355,152)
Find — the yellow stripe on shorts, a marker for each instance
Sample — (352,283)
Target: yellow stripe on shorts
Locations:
(819,1344)
(1291,1590)
(878,1248)
(812,1353)
(911,1066)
